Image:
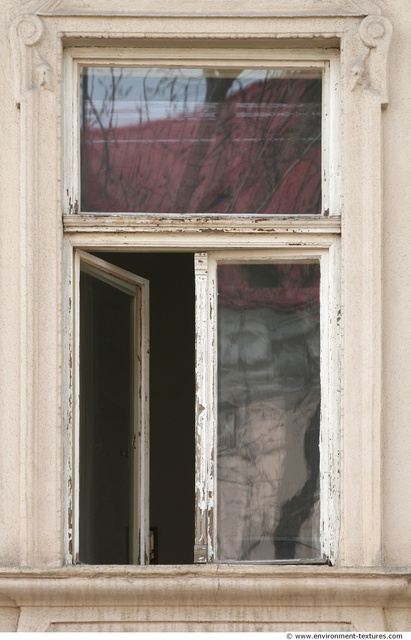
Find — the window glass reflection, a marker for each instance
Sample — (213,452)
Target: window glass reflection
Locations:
(200,141)
(268,411)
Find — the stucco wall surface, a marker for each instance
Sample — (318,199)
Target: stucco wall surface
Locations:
(396,300)
(368,586)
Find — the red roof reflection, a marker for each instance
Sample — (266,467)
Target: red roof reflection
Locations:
(257,151)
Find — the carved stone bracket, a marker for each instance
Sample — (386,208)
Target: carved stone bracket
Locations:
(369,70)
(32,71)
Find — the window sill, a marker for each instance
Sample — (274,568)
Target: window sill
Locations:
(225,585)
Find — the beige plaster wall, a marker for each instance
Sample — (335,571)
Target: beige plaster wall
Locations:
(397,292)
(10,270)
(9,617)
(19,534)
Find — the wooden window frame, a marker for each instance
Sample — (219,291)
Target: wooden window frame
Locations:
(326,252)
(138,290)
(275,238)
(327,60)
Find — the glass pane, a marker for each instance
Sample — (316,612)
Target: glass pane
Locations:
(268,411)
(201,141)
(105,423)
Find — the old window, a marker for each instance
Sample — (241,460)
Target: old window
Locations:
(204,367)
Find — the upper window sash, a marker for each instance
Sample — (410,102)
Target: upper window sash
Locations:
(324,62)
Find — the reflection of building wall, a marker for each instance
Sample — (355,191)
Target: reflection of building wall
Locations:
(268,419)
(263,471)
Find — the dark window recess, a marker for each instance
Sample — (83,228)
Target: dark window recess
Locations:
(105,412)
(105,401)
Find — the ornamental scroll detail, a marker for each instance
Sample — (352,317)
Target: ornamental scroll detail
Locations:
(369,69)
(32,71)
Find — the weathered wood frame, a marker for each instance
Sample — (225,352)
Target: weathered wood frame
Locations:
(328,61)
(326,251)
(138,289)
(321,244)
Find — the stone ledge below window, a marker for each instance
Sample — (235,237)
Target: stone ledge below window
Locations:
(214,585)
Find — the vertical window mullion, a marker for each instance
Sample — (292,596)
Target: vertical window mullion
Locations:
(330,399)
(76,408)
(201,549)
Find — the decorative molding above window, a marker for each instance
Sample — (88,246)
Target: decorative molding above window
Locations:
(191,8)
